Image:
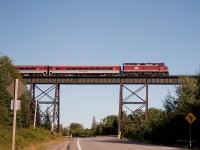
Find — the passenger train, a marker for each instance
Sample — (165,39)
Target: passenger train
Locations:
(128,69)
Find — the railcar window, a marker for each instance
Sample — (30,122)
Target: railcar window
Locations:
(57,68)
(86,68)
(109,68)
(80,68)
(32,68)
(103,68)
(74,68)
(68,68)
(91,68)
(98,69)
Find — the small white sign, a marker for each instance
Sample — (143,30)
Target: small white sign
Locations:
(18,105)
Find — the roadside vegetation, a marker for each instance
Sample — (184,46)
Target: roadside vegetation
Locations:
(26,137)
(25,134)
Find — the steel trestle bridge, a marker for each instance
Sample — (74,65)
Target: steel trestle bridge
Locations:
(55,81)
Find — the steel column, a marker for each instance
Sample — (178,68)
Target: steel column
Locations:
(58,108)
(120,110)
(147,100)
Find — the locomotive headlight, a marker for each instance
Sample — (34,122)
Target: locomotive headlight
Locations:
(136,68)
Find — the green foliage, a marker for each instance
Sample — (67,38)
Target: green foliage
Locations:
(94,126)
(47,121)
(169,125)
(186,95)
(110,125)
(8,74)
(76,129)
(107,126)
(24,137)
(153,126)
(129,131)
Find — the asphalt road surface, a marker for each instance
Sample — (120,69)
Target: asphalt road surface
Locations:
(108,143)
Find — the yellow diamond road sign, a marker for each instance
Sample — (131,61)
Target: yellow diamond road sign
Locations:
(190,118)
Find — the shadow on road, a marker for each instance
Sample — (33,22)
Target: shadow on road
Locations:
(118,141)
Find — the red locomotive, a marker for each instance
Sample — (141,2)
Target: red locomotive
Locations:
(138,69)
(128,69)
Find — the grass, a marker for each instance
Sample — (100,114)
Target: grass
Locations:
(27,137)
(44,145)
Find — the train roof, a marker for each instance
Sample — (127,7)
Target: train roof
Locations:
(30,65)
(84,65)
(144,63)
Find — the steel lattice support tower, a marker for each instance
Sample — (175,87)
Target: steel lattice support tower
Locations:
(44,97)
(140,104)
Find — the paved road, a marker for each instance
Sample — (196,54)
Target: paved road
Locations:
(59,146)
(107,143)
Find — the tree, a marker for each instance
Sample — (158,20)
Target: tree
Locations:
(178,107)
(110,125)
(186,95)
(47,121)
(153,126)
(8,74)
(76,129)
(5,98)
(94,126)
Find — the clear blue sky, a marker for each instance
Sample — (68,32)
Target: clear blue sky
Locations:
(101,32)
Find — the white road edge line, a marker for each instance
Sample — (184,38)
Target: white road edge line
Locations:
(79,147)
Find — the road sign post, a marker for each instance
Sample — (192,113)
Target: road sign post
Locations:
(190,118)
(15,114)
(35,115)
(16,89)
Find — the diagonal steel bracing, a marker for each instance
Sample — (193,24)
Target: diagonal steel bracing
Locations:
(44,97)
(133,99)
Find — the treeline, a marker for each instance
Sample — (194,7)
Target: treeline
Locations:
(107,126)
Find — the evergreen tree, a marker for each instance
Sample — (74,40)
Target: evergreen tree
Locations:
(5,97)
(8,74)
(47,121)
(94,126)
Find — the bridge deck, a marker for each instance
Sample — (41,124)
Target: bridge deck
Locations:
(104,80)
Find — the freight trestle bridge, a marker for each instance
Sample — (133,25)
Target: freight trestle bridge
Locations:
(56,81)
